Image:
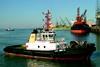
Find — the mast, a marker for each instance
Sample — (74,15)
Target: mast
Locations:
(47,20)
(78,18)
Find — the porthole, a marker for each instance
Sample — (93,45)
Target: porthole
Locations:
(44,46)
(38,46)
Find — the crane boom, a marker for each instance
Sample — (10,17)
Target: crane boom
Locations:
(63,21)
(68,21)
(84,13)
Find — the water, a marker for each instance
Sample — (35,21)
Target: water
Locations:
(20,36)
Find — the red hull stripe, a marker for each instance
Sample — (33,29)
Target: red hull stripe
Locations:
(78,31)
(39,57)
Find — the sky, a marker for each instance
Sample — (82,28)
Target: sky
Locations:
(28,13)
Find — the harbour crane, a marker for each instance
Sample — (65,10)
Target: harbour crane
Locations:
(64,24)
(68,21)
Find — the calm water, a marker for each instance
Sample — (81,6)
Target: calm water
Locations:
(20,36)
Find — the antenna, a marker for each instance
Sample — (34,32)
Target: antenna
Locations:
(78,11)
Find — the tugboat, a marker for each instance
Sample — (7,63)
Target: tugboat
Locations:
(42,44)
(80,26)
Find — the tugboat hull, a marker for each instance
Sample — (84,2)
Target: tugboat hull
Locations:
(68,54)
(80,29)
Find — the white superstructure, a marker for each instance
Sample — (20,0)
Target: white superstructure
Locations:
(43,41)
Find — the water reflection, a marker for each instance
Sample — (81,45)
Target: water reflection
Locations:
(11,61)
(80,37)
(48,63)
(98,42)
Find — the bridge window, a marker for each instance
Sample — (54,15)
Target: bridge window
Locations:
(43,36)
(50,35)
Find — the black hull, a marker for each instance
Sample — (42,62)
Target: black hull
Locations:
(81,27)
(68,54)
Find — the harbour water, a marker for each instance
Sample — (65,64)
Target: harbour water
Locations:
(20,36)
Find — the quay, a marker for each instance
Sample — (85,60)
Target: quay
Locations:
(95,29)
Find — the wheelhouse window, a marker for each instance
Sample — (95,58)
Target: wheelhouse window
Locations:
(43,36)
(46,36)
(51,35)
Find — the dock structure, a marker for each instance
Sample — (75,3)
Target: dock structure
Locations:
(96,29)
(98,13)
